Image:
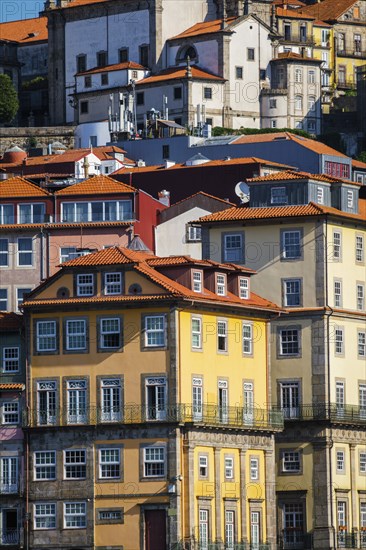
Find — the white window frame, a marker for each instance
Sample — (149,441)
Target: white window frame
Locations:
(158,458)
(203,528)
(10,413)
(362,463)
(244,288)
(360,248)
(254,468)
(340,461)
(339,340)
(44,515)
(320,195)
(159,332)
(44,465)
(114,286)
(74,516)
(349,198)
(197,277)
(47,416)
(337,245)
(361,343)
(340,397)
(77,410)
(221,284)
(74,459)
(289,291)
(85,284)
(31,206)
(203,465)
(291,461)
(104,462)
(9,474)
(229,529)
(247,331)
(4,216)
(79,334)
(197,398)
(111,399)
(5,300)
(360,296)
(194,234)
(196,332)
(11,358)
(51,336)
(25,251)
(222,335)
(338,293)
(229,467)
(288,248)
(105,333)
(292,339)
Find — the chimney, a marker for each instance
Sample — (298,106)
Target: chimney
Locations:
(164,197)
(86,167)
(168,163)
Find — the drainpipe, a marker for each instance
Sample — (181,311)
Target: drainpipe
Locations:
(328,307)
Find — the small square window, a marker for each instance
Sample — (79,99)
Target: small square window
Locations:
(273,103)
(177,92)
(123,55)
(291,245)
(75,464)
(194,233)
(85,284)
(207,93)
(279,195)
(154,462)
(291,461)
(84,107)
(292,293)
(140,98)
(239,73)
(44,465)
(289,341)
(229,467)
(109,463)
(46,336)
(76,335)
(11,412)
(155,331)
(10,360)
(110,333)
(45,515)
(250,54)
(113,283)
(75,515)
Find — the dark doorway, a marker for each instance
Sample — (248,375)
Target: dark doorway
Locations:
(155,530)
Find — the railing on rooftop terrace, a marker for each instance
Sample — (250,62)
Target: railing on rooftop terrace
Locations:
(346,414)
(205,415)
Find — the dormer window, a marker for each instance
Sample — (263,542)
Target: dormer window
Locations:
(85,284)
(197,281)
(320,195)
(220,284)
(113,283)
(279,195)
(244,288)
(349,199)
(185,52)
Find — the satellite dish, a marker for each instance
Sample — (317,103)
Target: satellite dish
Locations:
(242,190)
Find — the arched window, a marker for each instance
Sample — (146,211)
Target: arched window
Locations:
(185,52)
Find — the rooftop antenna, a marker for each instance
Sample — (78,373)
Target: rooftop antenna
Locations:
(242,190)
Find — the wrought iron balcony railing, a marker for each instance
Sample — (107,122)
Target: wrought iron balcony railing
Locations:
(205,415)
(295,539)
(9,536)
(8,487)
(346,414)
(351,52)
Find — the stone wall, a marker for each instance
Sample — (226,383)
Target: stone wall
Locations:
(22,136)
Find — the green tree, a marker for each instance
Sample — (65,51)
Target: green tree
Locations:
(9,103)
(362,156)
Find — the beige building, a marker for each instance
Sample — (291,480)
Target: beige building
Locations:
(310,258)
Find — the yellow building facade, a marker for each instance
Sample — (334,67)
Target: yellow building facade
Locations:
(149,420)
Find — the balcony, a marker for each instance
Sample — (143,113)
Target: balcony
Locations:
(346,414)
(297,39)
(205,415)
(354,539)
(9,487)
(9,536)
(295,539)
(347,84)
(353,52)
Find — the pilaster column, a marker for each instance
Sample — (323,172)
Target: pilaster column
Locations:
(270,500)
(243,496)
(352,450)
(218,522)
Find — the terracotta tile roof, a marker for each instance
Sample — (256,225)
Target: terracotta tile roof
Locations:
(55,226)
(20,187)
(109,256)
(319,23)
(290,175)
(114,67)
(276,212)
(294,56)
(187,260)
(330,10)
(95,186)
(313,145)
(77,3)
(12,387)
(174,73)
(25,31)
(218,162)
(10,321)
(73,155)
(205,27)
(202,193)
(292,14)
(358,164)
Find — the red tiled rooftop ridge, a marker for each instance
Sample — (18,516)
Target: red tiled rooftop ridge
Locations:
(96,185)
(20,187)
(25,30)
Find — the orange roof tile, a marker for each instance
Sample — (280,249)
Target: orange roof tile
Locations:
(358,164)
(329,10)
(12,386)
(319,23)
(294,56)
(316,146)
(206,27)
(96,185)
(292,14)
(56,226)
(174,73)
(73,155)
(115,67)
(25,31)
(108,256)
(275,212)
(20,187)
(218,162)
(290,175)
